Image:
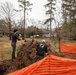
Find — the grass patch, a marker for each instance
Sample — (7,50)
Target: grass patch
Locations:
(6,49)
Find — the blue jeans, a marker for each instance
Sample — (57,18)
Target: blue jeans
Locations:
(13,44)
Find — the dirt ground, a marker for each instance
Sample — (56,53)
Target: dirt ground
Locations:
(24,55)
(26,52)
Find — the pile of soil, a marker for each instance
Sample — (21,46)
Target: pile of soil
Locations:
(25,56)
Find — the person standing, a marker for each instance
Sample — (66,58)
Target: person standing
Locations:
(14,38)
(41,51)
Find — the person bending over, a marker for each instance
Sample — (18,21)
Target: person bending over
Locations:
(41,51)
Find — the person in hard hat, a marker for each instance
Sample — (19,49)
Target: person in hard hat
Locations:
(41,51)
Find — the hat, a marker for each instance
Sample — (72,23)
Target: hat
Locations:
(43,41)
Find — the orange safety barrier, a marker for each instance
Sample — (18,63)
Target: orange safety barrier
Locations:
(50,65)
(67,48)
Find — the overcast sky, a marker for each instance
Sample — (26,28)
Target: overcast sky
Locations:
(38,10)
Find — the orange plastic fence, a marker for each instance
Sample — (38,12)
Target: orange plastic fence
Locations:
(50,65)
(68,48)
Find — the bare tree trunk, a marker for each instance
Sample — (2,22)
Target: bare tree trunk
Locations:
(10,29)
(24,20)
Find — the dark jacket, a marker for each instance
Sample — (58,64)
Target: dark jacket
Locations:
(15,37)
(41,49)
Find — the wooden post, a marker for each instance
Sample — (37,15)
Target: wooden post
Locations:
(1,56)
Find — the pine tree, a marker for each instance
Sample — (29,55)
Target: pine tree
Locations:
(50,6)
(25,5)
(69,16)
